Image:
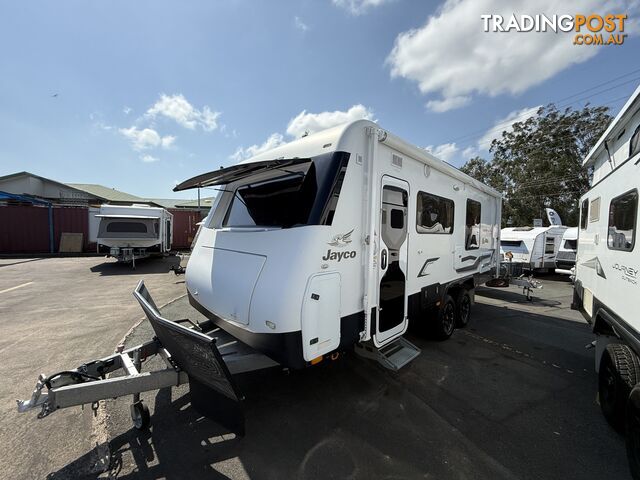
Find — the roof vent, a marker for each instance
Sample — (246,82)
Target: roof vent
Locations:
(396,160)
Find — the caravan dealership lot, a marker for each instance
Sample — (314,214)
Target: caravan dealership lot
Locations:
(511,396)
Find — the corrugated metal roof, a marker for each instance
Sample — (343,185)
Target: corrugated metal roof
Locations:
(110,194)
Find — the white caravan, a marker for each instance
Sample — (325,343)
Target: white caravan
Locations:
(533,248)
(566,256)
(133,232)
(341,238)
(607,266)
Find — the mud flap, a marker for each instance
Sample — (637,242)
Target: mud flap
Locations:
(214,394)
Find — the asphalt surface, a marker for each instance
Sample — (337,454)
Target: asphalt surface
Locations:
(511,396)
(55,314)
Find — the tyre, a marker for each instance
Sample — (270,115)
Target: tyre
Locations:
(140,416)
(463,308)
(619,372)
(633,432)
(445,322)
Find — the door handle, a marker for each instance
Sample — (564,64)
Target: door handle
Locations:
(383,259)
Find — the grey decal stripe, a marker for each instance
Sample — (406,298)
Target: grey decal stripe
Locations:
(427,262)
(474,264)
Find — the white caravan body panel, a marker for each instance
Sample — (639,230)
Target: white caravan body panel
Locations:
(534,247)
(138,226)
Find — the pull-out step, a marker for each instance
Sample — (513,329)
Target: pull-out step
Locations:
(393,356)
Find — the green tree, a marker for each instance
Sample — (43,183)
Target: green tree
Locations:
(538,163)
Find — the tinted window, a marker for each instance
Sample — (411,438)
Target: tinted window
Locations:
(434,214)
(126,227)
(510,243)
(549,245)
(571,244)
(397,218)
(472,233)
(584,212)
(634,144)
(622,221)
(305,194)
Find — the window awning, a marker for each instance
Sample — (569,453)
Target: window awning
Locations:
(133,217)
(237,172)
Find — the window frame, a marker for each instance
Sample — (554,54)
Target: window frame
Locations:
(466,247)
(439,197)
(584,214)
(635,221)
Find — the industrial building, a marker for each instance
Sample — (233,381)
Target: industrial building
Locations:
(35,213)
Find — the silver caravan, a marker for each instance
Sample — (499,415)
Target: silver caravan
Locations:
(566,256)
(533,248)
(133,232)
(607,270)
(339,238)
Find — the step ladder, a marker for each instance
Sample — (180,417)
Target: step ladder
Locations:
(392,356)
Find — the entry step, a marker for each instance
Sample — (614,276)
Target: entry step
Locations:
(393,356)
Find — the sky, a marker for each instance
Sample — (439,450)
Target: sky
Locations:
(141,95)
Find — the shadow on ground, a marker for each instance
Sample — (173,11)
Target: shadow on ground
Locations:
(511,396)
(144,266)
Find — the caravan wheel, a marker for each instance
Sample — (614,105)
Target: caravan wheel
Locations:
(445,323)
(619,373)
(463,308)
(633,432)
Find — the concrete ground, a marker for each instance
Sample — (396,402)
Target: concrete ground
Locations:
(511,396)
(56,313)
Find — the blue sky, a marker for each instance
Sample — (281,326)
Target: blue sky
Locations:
(234,74)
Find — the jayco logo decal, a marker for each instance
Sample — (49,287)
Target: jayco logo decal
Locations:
(340,241)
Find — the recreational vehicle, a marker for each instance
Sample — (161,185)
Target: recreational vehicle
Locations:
(566,256)
(532,248)
(129,233)
(339,238)
(607,267)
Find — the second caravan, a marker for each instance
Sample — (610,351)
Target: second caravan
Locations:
(342,237)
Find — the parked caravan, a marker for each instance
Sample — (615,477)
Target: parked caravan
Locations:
(607,266)
(532,248)
(566,256)
(129,233)
(339,238)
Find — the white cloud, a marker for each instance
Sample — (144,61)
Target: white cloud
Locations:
(469,152)
(451,56)
(148,158)
(448,103)
(274,140)
(177,108)
(126,110)
(505,124)
(358,7)
(146,138)
(445,152)
(315,122)
(300,25)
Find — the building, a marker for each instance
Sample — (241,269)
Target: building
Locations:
(35,211)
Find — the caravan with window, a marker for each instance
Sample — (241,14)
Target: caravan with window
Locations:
(130,233)
(339,238)
(607,283)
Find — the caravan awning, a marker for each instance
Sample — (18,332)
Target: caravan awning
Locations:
(135,217)
(237,172)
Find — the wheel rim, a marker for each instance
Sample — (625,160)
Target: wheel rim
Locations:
(608,385)
(448,318)
(465,309)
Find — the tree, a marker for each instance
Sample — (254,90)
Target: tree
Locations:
(538,163)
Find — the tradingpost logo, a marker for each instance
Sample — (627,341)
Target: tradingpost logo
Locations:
(591,29)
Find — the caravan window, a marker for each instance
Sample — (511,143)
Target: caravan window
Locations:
(623,211)
(305,194)
(549,245)
(584,212)
(434,214)
(594,210)
(472,232)
(634,144)
(126,227)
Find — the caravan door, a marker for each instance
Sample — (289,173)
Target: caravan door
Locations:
(391,314)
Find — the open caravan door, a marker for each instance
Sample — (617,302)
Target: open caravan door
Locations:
(391,313)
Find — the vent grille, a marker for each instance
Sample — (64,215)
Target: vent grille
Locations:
(396,160)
